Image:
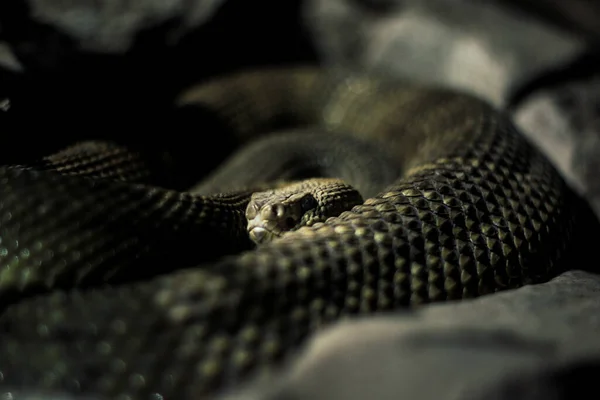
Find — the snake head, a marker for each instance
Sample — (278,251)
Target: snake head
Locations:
(272,213)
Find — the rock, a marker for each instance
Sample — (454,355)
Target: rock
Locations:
(109,26)
(7,58)
(564,120)
(478,47)
(112,25)
(580,16)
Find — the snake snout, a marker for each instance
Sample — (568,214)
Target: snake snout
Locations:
(271,214)
(258,235)
(269,221)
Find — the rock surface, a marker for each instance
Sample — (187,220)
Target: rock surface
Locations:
(478,47)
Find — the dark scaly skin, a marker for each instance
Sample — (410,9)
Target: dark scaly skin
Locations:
(477,210)
(89,215)
(298,154)
(350,170)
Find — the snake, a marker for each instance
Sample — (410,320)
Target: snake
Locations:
(116,286)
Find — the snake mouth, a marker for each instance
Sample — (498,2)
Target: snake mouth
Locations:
(261,235)
(265,226)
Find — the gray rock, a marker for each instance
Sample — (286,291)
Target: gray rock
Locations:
(478,47)
(564,121)
(581,16)
(7,58)
(111,25)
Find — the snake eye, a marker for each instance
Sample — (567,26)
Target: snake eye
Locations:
(308,203)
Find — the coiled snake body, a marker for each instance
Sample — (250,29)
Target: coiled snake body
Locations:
(473,208)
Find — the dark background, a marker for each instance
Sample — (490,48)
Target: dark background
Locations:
(65,94)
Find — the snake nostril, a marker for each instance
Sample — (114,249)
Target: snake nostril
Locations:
(258,235)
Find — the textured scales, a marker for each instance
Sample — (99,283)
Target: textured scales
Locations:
(82,218)
(475,210)
(292,155)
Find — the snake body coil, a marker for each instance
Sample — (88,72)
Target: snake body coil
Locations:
(474,209)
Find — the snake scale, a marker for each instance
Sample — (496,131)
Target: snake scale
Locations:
(115,287)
